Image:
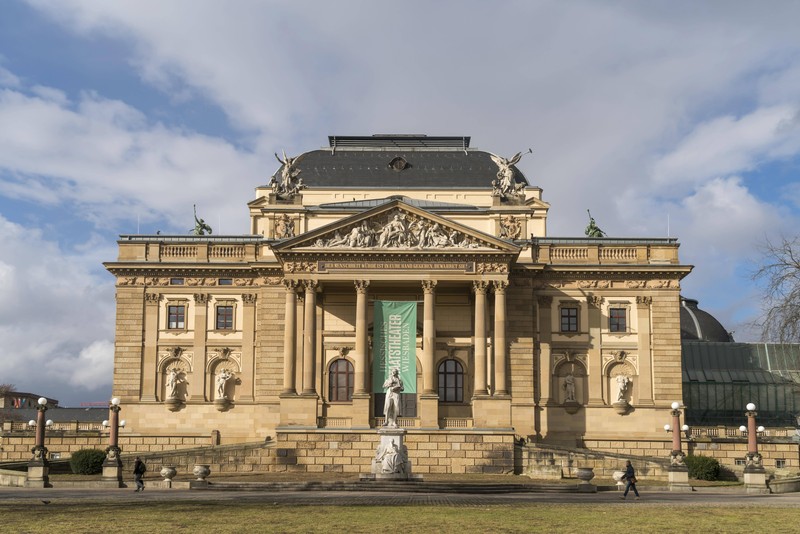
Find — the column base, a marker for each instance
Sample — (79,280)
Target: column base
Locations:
(428,411)
(361,411)
(38,475)
(755,481)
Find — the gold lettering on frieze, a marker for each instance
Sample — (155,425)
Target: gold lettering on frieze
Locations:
(327,266)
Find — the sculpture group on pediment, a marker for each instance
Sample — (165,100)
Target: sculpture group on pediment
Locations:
(398,230)
(289,183)
(504,186)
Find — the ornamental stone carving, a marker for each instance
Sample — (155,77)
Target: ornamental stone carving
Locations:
(510,227)
(361,285)
(545,301)
(200,298)
(480,286)
(595,300)
(644,300)
(428,286)
(635,284)
(152,298)
(504,186)
(500,286)
(491,268)
(248,298)
(300,266)
(126,280)
(289,183)
(284,227)
(398,229)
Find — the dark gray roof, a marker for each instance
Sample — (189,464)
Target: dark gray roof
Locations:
(697,324)
(432,162)
(430,205)
(58,415)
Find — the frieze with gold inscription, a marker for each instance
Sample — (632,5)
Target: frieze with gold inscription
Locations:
(457,266)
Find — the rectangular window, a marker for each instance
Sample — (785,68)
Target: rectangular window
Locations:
(176,317)
(780,463)
(739,462)
(225,317)
(569,319)
(176,281)
(225,281)
(617,320)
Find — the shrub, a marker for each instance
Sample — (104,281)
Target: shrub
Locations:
(87,462)
(702,467)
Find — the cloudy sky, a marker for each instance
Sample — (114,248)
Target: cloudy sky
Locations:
(663,118)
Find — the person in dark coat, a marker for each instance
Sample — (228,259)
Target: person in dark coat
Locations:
(630,477)
(138,472)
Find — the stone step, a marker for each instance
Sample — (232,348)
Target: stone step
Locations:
(382,486)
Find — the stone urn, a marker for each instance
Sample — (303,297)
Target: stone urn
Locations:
(201,471)
(585,474)
(168,472)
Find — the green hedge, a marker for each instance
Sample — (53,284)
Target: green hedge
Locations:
(87,462)
(702,467)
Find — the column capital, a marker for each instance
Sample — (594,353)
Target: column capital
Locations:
(429,286)
(480,286)
(201,298)
(310,286)
(545,301)
(249,298)
(595,300)
(500,286)
(290,285)
(644,300)
(152,298)
(361,285)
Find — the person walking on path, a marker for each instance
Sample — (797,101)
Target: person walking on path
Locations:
(630,477)
(138,472)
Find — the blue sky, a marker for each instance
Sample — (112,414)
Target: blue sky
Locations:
(118,116)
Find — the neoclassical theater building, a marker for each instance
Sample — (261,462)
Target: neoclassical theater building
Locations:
(396,251)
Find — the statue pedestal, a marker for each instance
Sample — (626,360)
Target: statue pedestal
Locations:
(621,407)
(678,478)
(391,457)
(571,407)
(38,474)
(755,480)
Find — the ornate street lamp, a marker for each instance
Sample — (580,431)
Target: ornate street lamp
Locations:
(677,473)
(112,466)
(755,478)
(39,466)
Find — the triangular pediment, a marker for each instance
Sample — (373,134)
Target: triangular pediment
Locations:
(396,226)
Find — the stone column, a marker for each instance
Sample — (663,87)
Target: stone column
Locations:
(545,303)
(248,348)
(479,287)
(150,356)
(289,339)
(309,336)
(645,383)
(360,355)
(428,338)
(500,348)
(595,302)
(199,389)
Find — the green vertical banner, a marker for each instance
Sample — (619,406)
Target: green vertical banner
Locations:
(394,343)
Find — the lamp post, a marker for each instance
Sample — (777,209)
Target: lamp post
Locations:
(112,466)
(677,473)
(755,478)
(39,466)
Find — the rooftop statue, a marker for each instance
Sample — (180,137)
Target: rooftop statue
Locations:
(505,186)
(200,226)
(289,184)
(593,230)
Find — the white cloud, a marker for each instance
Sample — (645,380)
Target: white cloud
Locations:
(57,316)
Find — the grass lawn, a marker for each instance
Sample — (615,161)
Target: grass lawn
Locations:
(219,518)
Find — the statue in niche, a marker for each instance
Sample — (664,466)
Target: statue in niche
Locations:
(569,388)
(200,226)
(391,406)
(173,379)
(592,230)
(284,227)
(504,185)
(222,381)
(623,381)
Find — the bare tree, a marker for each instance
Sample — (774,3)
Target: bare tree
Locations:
(780,272)
(5,389)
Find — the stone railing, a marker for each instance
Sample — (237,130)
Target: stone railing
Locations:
(190,248)
(455,422)
(335,422)
(605,251)
(60,426)
(402,422)
(701,432)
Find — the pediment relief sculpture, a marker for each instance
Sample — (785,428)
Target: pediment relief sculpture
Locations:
(398,229)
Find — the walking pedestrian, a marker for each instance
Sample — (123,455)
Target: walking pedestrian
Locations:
(630,477)
(139,469)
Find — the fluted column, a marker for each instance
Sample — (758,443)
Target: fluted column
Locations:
(480,337)
(290,338)
(360,355)
(428,337)
(309,336)
(500,348)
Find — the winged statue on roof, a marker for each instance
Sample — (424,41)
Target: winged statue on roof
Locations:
(289,183)
(504,185)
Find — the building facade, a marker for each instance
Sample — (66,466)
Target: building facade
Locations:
(513,334)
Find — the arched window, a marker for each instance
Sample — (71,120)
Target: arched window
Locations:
(451,381)
(340,381)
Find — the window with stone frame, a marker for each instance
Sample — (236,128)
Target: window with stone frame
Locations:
(176,316)
(225,313)
(569,318)
(341,378)
(617,319)
(451,381)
